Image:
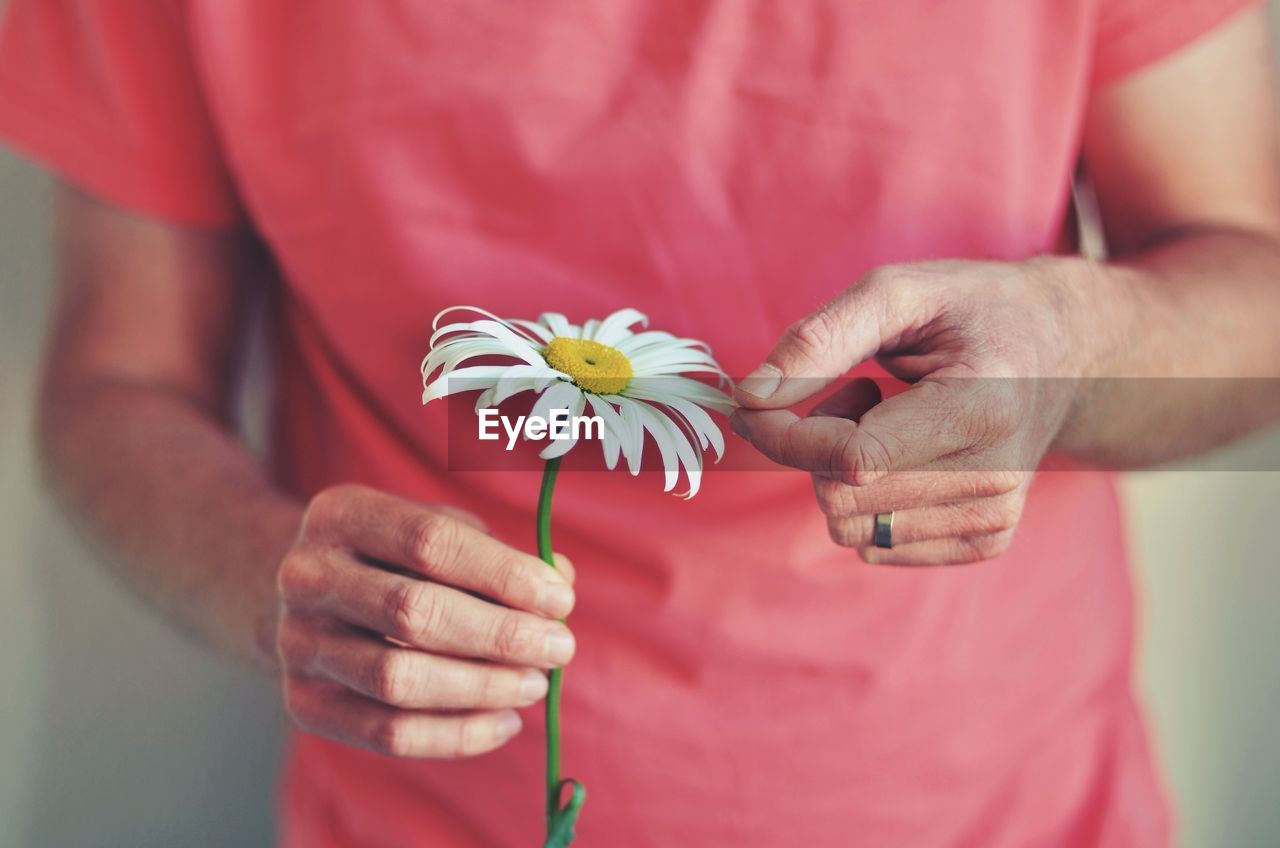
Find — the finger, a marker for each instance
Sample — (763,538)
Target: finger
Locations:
(930,420)
(463,515)
(913,489)
(427,615)
(940,551)
(947,521)
(348,717)
(404,677)
(434,543)
(826,344)
(565,566)
(940,415)
(812,445)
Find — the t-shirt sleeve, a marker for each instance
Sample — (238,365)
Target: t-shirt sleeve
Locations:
(106,94)
(1132,34)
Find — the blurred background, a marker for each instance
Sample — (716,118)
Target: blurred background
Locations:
(115,732)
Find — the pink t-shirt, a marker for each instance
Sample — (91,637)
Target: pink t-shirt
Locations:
(724,166)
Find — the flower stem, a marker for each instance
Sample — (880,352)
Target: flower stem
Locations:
(560,822)
(556,676)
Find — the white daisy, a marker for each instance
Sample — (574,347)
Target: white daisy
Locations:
(632,380)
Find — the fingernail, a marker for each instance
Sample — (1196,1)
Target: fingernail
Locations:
(532,687)
(556,599)
(508,725)
(559,648)
(762,382)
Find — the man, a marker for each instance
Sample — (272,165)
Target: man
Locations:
(741,677)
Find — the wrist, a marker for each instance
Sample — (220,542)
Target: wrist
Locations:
(275,523)
(1101,307)
(1097,305)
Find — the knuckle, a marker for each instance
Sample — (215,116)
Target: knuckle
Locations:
(863,457)
(474,736)
(393,735)
(966,518)
(294,645)
(298,704)
(432,539)
(297,578)
(996,408)
(812,335)
(882,277)
(513,582)
(1005,514)
(827,494)
(391,680)
(498,689)
(996,483)
(990,546)
(413,609)
(328,504)
(511,638)
(842,533)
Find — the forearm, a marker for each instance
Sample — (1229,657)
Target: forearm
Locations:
(180,510)
(1182,350)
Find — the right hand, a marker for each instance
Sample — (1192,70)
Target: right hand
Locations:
(407,630)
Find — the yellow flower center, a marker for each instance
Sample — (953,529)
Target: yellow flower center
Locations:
(593,366)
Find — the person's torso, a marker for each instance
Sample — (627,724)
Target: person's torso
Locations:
(725,167)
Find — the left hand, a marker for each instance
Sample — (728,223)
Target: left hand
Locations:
(992,352)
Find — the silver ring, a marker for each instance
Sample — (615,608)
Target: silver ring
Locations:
(883,537)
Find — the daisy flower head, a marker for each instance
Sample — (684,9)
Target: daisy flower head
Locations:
(633,379)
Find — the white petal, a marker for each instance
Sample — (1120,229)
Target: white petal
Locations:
(614,429)
(533,328)
(558,325)
(517,345)
(676,369)
(523,378)
(661,388)
(449,355)
(557,396)
(617,326)
(633,345)
(560,447)
(666,449)
(675,448)
(463,380)
(633,436)
(658,355)
(435,322)
(709,435)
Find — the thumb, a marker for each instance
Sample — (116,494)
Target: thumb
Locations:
(821,347)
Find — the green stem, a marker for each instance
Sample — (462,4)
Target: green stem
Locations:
(560,820)
(555,680)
